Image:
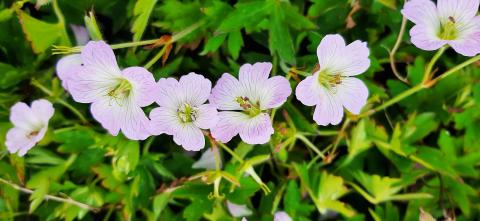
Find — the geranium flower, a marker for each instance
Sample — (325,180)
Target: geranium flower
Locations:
(452,22)
(182,112)
(331,88)
(116,95)
(246,101)
(30,125)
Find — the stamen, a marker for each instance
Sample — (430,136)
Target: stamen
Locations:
(248,106)
(187,113)
(121,91)
(32,134)
(330,81)
(448,30)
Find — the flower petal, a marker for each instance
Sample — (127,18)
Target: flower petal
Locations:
(16,139)
(91,84)
(275,92)
(81,34)
(468,43)
(330,50)
(207,116)
(308,91)
(126,116)
(100,55)
(229,124)
(190,137)
(43,110)
(67,67)
(167,93)
(144,85)
(336,58)
(225,92)
(238,210)
(353,94)
(421,12)
(22,116)
(163,120)
(329,111)
(257,130)
(425,38)
(460,10)
(281,216)
(207,160)
(194,89)
(254,74)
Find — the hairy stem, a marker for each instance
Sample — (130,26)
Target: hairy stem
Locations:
(395,49)
(51,197)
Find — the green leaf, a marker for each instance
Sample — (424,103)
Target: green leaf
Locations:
(235,43)
(299,121)
(213,43)
(159,203)
(41,34)
(358,141)
(6,14)
(246,14)
(141,11)
(280,40)
(126,158)
(10,76)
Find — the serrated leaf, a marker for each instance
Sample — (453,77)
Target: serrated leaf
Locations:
(245,14)
(141,11)
(235,43)
(280,40)
(213,43)
(41,34)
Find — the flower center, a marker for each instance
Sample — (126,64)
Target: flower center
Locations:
(448,30)
(252,109)
(330,81)
(32,134)
(122,90)
(187,113)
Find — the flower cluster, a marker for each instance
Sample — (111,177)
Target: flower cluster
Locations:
(235,106)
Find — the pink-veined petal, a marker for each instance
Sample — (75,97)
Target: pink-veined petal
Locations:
(190,137)
(229,125)
(257,130)
(225,92)
(194,89)
(99,55)
(425,38)
(22,116)
(308,91)
(92,84)
(275,92)
(468,43)
(353,94)
(461,11)
(329,110)
(144,87)
(67,67)
(167,93)
(207,116)
(422,12)
(81,34)
(20,141)
(163,120)
(254,74)
(337,58)
(135,125)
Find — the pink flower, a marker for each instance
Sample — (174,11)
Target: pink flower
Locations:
(246,101)
(116,95)
(331,88)
(30,125)
(183,112)
(452,22)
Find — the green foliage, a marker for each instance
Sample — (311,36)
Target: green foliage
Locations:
(417,159)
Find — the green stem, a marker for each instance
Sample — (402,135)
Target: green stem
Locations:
(231,152)
(133,44)
(58,13)
(156,58)
(458,67)
(310,145)
(428,71)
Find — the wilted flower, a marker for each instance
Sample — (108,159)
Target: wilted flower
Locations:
(30,125)
(182,112)
(116,95)
(331,88)
(281,216)
(246,101)
(452,22)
